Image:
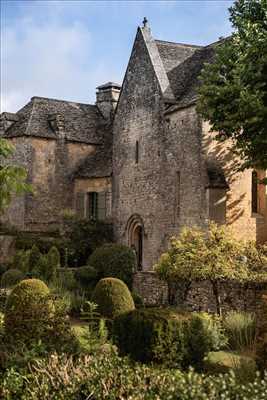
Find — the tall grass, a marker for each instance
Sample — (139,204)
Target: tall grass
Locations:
(240,329)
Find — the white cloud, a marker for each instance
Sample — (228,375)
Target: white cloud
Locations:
(50,59)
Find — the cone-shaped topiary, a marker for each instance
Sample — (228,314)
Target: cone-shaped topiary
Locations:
(11,277)
(27,310)
(53,263)
(112,297)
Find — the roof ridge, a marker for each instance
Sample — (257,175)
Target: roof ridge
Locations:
(62,101)
(157,63)
(30,118)
(179,44)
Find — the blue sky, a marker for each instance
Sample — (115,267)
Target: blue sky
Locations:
(64,49)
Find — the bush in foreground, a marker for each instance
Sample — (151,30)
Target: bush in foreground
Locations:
(112,297)
(27,308)
(114,260)
(110,377)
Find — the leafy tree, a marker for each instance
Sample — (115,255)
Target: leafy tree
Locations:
(233,94)
(12,178)
(204,255)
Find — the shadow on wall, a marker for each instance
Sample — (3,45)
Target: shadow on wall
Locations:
(239,195)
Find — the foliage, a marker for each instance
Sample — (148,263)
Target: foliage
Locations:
(204,334)
(34,258)
(86,276)
(107,376)
(164,336)
(151,335)
(233,94)
(261,342)
(11,277)
(138,300)
(53,263)
(3,298)
(211,255)
(222,362)
(27,308)
(97,333)
(114,260)
(240,328)
(12,178)
(3,268)
(112,297)
(83,237)
(21,260)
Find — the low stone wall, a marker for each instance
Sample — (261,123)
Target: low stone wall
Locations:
(199,295)
(152,290)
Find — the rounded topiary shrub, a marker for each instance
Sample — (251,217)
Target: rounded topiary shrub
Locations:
(147,335)
(27,311)
(11,277)
(114,260)
(112,297)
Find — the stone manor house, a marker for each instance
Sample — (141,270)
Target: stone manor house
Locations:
(140,157)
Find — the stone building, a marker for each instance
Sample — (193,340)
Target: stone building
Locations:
(140,157)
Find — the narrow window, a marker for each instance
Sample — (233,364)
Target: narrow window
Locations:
(93,205)
(97,205)
(136,152)
(254,192)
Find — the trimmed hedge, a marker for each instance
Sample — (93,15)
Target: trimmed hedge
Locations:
(86,276)
(112,297)
(163,336)
(28,307)
(11,277)
(114,260)
(151,335)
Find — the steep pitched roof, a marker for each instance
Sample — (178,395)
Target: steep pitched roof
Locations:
(173,54)
(80,122)
(157,63)
(183,64)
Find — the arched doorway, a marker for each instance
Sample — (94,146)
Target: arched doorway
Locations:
(135,230)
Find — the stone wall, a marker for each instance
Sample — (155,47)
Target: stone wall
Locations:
(150,288)
(199,296)
(165,187)
(50,165)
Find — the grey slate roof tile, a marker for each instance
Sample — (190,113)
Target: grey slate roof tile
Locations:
(82,122)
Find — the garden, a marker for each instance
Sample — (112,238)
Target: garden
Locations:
(73,327)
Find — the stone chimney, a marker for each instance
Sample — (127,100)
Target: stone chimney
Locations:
(107,96)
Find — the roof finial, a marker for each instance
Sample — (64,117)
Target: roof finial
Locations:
(145,22)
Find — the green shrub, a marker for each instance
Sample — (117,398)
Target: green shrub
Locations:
(3,299)
(240,328)
(222,362)
(109,377)
(27,309)
(11,277)
(261,339)
(205,334)
(114,260)
(66,279)
(34,258)
(40,271)
(86,276)
(53,263)
(112,297)
(138,301)
(3,268)
(152,335)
